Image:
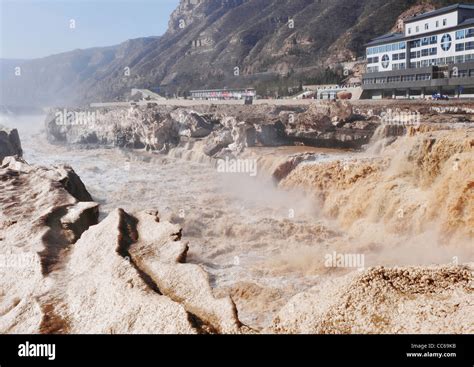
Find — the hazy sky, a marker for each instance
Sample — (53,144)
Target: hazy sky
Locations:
(37,28)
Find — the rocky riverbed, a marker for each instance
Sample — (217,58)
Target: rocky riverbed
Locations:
(132,241)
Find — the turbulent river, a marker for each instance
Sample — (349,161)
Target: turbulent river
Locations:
(258,243)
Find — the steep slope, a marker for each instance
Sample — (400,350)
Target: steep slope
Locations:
(67,78)
(205,43)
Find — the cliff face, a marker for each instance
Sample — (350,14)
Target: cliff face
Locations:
(205,43)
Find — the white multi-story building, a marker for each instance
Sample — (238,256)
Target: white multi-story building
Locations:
(434,53)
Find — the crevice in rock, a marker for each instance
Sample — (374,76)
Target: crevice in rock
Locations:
(52,322)
(74,186)
(128,236)
(55,240)
(200,326)
(60,236)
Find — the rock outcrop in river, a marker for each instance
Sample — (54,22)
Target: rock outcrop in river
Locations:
(223,129)
(10,144)
(226,130)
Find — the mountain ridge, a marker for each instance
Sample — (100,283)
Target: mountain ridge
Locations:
(214,44)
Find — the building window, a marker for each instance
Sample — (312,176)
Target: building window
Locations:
(417,29)
(423,76)
(459,59)
(470,33)
(396,57)
(393,79)
(433,51)
(460,47)
(460,34)
(445,22)
(469,46)
(373,60)
(437,24)
(446,42)
(409,30)
(427,26)
(415,43)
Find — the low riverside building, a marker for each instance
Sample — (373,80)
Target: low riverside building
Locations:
(329,91)
(434,54)
(223,94)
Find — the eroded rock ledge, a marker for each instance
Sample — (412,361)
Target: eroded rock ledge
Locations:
(137,281)
(40,218)
(125,275)
(219,131)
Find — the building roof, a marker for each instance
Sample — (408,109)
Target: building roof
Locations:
(441,11)
(386,38)
(222,90)
(467,22)
(395,37)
